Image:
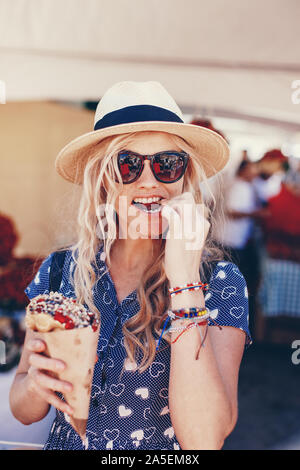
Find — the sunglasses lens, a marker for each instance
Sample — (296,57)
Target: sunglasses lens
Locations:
(129,165)
(168,167)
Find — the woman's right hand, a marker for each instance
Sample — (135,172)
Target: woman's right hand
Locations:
(39,380)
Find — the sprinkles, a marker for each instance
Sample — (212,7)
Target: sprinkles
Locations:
(65,310)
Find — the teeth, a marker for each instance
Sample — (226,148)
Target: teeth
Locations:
(149,200)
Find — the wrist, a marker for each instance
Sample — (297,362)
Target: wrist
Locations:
(187,299)
(182,279)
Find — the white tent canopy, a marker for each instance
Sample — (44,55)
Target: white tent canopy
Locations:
(226,57)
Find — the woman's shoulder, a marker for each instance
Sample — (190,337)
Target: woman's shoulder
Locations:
(227,297)
(221,270)
(40,282)
(227,272)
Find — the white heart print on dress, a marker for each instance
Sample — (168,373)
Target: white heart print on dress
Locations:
(111,435)
(110,363)
(113,342)
(148,432)
(137,436)
(221,275)
(169,432)
(146,412)
(37,279)
(67,417)
(214,313)
(109,445)
(117,389)
(106,299)
(236,312)
(237,271)
(124,318)
(124,412)
(163,393)
(128,365)
(156,369)
(86,443)
(96,390)
(103,409)
(164,411)
(228,291)
(102,344)
(142,392)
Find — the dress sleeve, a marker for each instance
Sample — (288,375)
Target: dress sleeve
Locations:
(227,298)
(40,283)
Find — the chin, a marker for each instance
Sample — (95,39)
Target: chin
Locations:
(153,227)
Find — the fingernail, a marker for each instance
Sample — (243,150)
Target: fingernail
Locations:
(60,366)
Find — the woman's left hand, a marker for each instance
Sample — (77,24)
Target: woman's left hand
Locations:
(188,229)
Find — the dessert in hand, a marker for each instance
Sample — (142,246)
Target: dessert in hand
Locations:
(71,333)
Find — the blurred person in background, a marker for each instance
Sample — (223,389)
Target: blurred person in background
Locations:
(245,156)
(282,227)
(271,169)
(279,293)
(238,235)
(207,123)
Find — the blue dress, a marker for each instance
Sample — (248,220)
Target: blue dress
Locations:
(130,411)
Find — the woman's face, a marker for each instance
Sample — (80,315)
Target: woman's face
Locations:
(135,222)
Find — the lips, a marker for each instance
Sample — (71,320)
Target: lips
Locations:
(151,207)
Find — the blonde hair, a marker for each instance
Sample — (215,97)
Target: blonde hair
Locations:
(100,188)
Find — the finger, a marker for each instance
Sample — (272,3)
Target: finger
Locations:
(53,400)
(173,219)
(178,203)
(181,197)
(36,345)
(50,383)
(46,363)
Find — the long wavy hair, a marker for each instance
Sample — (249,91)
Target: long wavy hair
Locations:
(99,193)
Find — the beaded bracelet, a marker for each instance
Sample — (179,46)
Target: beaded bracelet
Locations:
(183,314)
(193,285)
(189,312)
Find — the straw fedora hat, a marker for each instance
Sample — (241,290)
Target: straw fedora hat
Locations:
(140,106)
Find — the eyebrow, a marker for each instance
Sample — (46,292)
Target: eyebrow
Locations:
(161,151)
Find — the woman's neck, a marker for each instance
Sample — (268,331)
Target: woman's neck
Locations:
(135,255)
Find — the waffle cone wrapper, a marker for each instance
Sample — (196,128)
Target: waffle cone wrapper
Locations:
(78,349)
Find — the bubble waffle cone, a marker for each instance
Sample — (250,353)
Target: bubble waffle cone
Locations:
(71,334)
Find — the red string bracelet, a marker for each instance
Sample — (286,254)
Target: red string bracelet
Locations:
(193,285)
(191,325)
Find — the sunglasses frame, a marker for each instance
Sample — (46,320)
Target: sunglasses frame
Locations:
(151,158)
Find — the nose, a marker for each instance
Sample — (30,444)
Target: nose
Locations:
(147,179)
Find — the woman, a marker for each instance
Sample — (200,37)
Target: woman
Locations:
(152,388)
